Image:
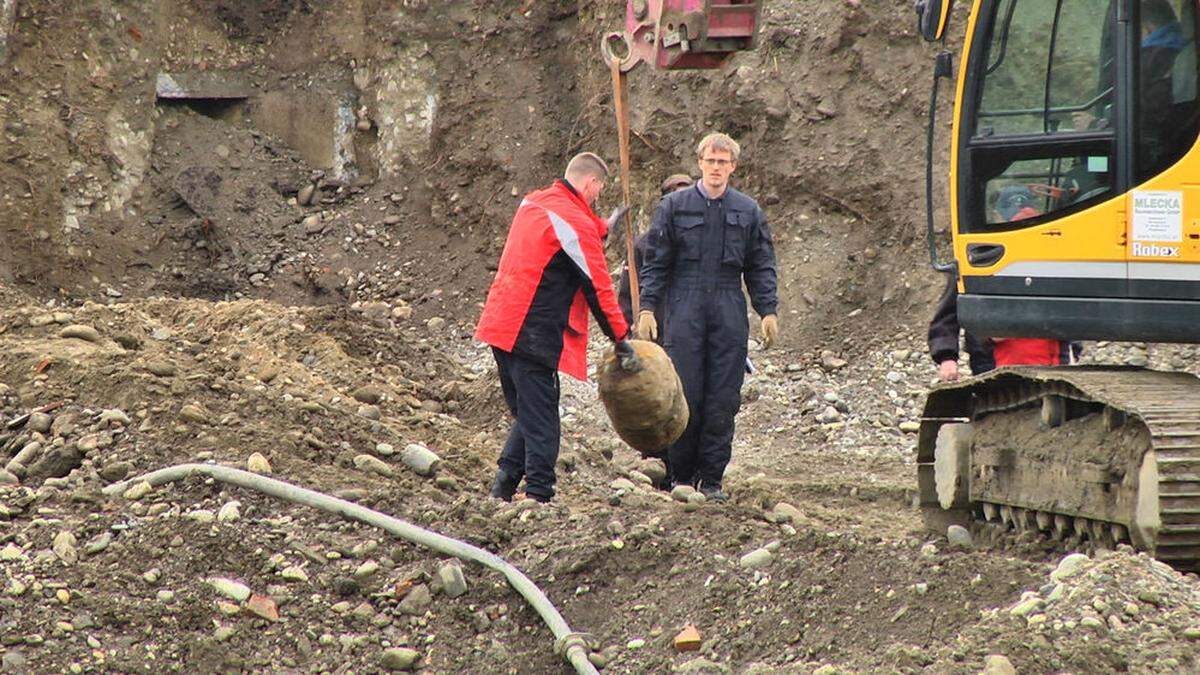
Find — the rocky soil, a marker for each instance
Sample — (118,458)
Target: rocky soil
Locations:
(202,281)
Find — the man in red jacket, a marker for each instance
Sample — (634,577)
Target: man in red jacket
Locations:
(551,272)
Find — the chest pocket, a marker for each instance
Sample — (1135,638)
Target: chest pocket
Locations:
(733,250)
(689,230)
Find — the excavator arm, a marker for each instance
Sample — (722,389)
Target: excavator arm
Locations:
(682,34)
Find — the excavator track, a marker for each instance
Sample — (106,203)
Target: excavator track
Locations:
(1096,455)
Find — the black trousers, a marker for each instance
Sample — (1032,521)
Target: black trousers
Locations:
(706,334)
(531,450)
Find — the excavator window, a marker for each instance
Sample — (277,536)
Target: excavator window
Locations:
(1040,121)
(1168,115)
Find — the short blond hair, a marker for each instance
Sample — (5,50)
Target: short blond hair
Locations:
(719,141)
(586,164)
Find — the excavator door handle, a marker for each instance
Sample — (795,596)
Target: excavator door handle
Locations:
(984,255)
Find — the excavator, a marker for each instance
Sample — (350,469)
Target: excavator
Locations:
(1074,214)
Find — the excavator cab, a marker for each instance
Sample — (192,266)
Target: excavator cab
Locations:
(1074,169)
(683,34)
(1075,214)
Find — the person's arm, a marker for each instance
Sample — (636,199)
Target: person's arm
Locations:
(658,257)
(587,252)
(944,330)
(760,272)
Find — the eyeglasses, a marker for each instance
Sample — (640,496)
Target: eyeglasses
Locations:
(709,161)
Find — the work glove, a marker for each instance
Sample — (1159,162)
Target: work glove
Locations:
(647,325)
(627,358)
(770,330)
(616,216)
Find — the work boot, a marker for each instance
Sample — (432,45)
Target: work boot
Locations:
(504,486)
(712,492)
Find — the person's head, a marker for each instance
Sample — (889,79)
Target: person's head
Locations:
(1155,15)
(676,181)
(718,157)
(587,173)
(1012,200)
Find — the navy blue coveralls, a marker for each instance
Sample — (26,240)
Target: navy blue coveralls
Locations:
(698,252)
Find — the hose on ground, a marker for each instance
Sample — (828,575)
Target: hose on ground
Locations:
(573,646)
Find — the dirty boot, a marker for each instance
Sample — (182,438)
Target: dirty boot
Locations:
(504,486)
(712,492)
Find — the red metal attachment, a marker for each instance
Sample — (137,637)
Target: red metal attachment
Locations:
(682,34)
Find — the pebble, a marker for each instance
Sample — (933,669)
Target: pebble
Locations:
(1069,566)
(294,573)
(756,559)
(417,601)
(680,493)
(623,484)
(8,478)
(138,490)
(385,449)
(63,596)
(1026,607)
(229,512)
(366,570)
(688,639)
(305,196)
(929,550)
(161,368)
(959,536)
(115,415)
(165,595)
(13,662)
(39,422)
(371,412)
(193,413)
(223,633)
(230,588)
(1093,622)
(636,643)
(829,415)
(997,664)
(400,659)
(373,464)
(10,553)
(422,460)
(116,471)
(80,332)
(910,427)
(258,464)
(313,224)
(454,584)
(787,513)
(436,323)
(98,544)
(65,548)
(367,394)
(202,516)
(263,607)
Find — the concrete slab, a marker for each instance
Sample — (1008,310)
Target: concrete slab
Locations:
(203,85)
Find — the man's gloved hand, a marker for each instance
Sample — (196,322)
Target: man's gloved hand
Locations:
(616,216)
(627,358)
(647,325)
(770,330)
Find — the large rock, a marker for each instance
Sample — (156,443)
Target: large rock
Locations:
(647,408)
(56,462)
(997,664)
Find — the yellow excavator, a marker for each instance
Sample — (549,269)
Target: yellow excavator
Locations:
(1075,215)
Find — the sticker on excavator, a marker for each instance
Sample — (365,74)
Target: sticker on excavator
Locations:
(1157,216)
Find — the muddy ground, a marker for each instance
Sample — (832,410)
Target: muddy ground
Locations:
(289,264)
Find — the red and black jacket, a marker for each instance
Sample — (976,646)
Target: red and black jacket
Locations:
(551,271)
